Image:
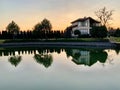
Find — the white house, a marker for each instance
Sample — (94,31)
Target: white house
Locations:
(83,25)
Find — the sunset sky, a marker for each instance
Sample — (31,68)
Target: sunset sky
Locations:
(27,13)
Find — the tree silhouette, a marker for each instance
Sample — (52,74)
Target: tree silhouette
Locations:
(104,15)
(67,33)
(117,32)
(15,60)
(12,28)
(99,31)
(43,29)
(38,27)
(46,25)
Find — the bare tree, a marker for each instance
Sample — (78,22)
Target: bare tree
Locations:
(104,15)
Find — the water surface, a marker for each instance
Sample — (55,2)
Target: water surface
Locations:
(59,69)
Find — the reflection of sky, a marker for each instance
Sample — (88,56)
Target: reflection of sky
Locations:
(28,12)
(62,75)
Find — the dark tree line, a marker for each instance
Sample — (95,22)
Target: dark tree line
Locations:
(114,32)
(97,32)
(32,35)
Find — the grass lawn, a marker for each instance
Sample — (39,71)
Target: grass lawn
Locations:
(115,39)
(55,40)
(2,41)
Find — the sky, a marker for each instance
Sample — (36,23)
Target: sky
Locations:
(27,13)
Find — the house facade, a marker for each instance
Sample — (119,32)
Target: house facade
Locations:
(83,25)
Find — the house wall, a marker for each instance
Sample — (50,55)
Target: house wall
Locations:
(84,28)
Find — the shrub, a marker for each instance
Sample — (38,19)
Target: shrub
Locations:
(77,32)
(117,33)
(99,32)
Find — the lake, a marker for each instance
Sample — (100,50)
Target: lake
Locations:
(36,68)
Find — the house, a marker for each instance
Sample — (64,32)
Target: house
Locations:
(83,25)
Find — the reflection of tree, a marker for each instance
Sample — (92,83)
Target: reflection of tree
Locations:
(49,50)
(100,56)
(76,55)
(117,51)
(29,50)
(68,52)
(45,59)
(15,60)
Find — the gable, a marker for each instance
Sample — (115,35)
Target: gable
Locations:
(84,19)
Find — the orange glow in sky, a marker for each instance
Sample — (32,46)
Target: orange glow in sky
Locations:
(27,13)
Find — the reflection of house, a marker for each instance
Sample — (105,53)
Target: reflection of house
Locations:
(83,25)
(81,57)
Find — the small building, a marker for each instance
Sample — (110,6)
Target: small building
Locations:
(83,25)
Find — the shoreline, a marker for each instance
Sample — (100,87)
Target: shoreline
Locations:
(59,44)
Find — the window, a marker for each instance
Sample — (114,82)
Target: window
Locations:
(83,23)
(84,31)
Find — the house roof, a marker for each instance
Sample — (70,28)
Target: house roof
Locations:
(85,18)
